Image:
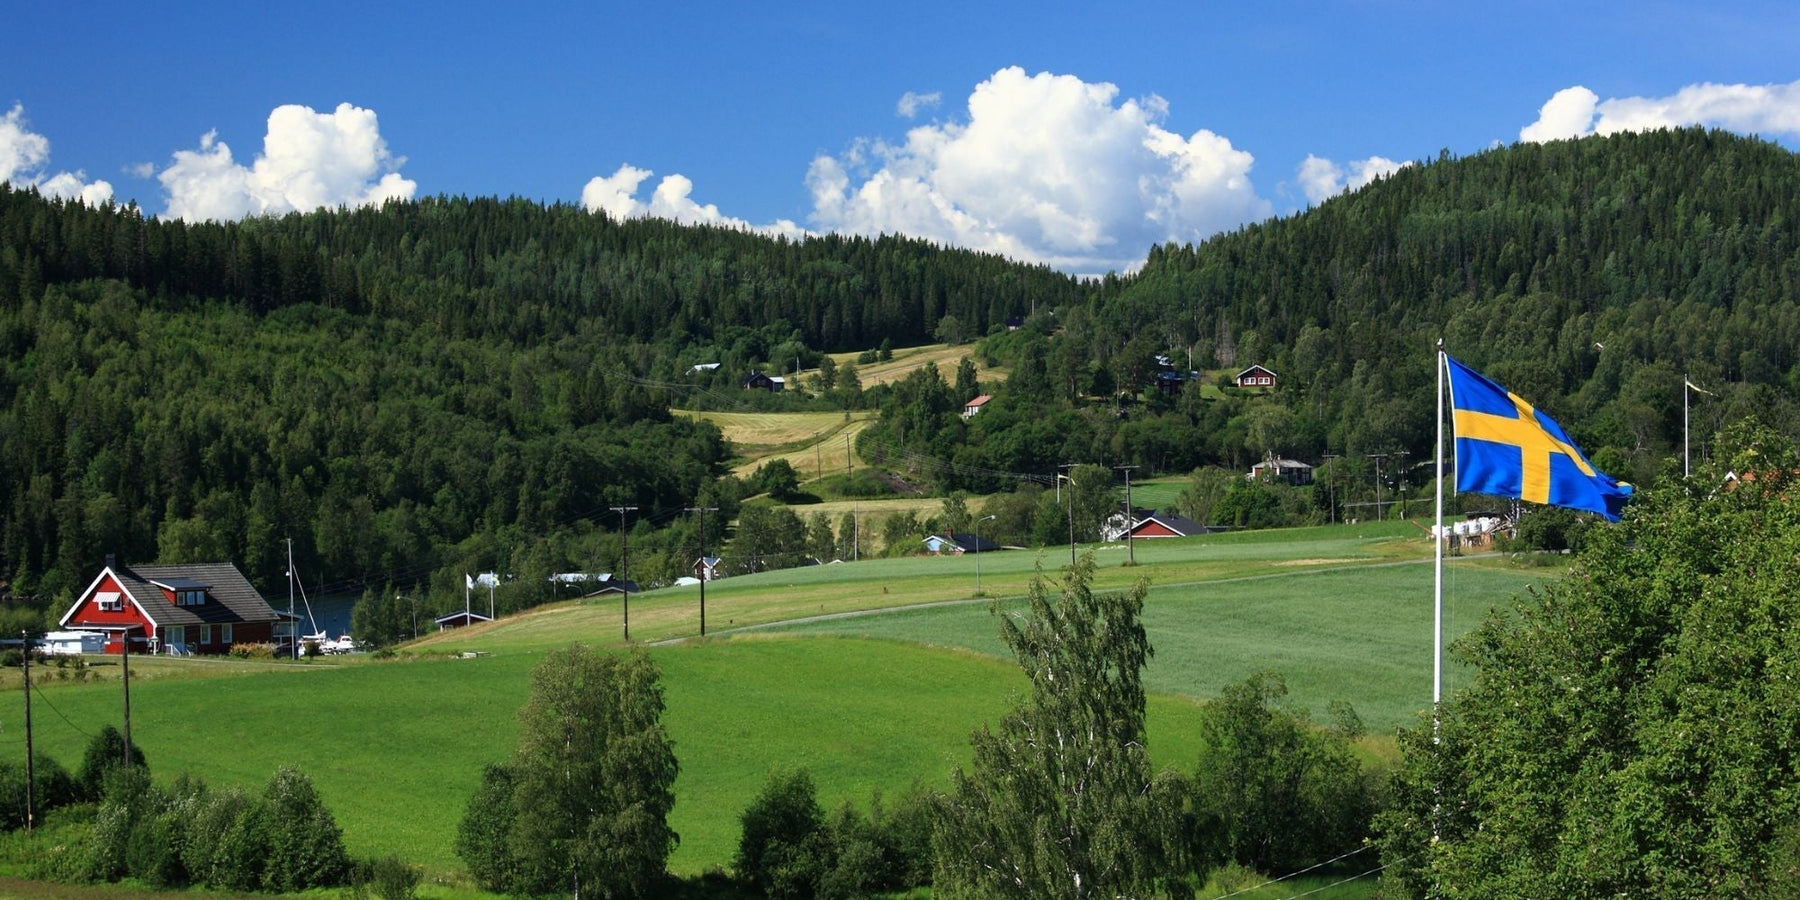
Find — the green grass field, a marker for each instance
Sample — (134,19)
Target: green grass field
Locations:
(1361,635)
(868,702)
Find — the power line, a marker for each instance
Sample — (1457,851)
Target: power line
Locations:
(39,691)
(1257,887)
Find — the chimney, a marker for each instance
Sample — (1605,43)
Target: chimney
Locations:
(111,560)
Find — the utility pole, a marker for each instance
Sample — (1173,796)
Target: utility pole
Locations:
(978,551)
(30,799)
(1400,480)
(1071,477)
(125,679)
(847,466)
(1378,457)
(625,565)
(1130,517)
(705,570)
(1330,492)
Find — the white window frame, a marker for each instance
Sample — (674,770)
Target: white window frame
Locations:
(176,635)
(225,633)
(206,634)
(109,601)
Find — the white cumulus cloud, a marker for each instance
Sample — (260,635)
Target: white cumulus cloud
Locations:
(23,156)
(309,160)
(1047,168)
(616,195)
(911,103)
(1770,110)
(1321,178)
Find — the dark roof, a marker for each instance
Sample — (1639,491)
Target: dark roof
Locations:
(462,614)
(1181,525)
(229,597)
(613,586)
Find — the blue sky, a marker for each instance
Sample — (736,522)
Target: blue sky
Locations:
(1072,134)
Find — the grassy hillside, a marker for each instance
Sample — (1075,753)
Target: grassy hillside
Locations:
(865,703)
(944,356)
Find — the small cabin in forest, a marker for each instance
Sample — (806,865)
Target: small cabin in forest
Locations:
(1255,377)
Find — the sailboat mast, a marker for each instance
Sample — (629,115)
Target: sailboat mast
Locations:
(293,623)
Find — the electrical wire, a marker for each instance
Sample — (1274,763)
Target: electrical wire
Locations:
(1257,887)
(1342,882)
(59,713)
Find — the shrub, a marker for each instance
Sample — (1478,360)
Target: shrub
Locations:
(128,798)
(241,853)
(51,787)
(253,651)
(153,851)
(1285,795)
(206,855)
(481,837)
(386,877)
(591,784)
(784,850)
(105,754)
(306,847)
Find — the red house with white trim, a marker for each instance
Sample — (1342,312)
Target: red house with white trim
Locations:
(1255,376)
(1166,525)
(180,610)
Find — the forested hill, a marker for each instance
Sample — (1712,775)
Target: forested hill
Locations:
(518,270)
(410,392)
(451,385)
(1586,275)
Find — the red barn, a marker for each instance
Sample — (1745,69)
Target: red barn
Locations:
(173,609)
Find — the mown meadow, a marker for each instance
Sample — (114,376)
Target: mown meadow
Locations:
(870,675)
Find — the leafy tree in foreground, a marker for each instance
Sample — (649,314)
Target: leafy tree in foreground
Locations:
(1631,730)
(784,850)
(1061,800)
(592,782)
(1283,794)
(51,787)
(105,752)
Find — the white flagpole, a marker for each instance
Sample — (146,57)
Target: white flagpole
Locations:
(1437,607)
(1684,424)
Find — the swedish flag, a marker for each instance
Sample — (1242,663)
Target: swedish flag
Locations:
(1507,448)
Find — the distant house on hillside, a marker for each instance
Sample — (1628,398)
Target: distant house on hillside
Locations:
(1288,471)
(762,381)
(1115,526)
(703,367)
(462,618)
(204,608)
(974,406)
(709,568)
(1170,382)
(1255,376)
(593,584)
(957,544)
(1163,525)
(1014,323)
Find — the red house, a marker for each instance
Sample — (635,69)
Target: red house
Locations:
(173,609)
(1162,526)
(1255,376)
